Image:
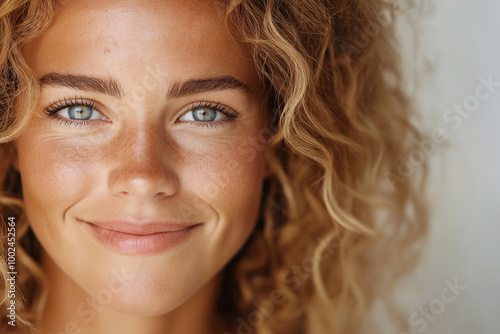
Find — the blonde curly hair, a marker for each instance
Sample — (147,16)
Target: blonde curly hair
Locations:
(336,231)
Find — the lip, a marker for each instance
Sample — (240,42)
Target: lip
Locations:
(149,238)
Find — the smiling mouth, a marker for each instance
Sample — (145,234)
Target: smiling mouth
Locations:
(141,239)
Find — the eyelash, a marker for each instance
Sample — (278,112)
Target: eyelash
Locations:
(52,109)
(231,114)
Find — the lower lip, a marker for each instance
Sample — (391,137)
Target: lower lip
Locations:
(133,244)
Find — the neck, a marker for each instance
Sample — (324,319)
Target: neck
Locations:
(70,310)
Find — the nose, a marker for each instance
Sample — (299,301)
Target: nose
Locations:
(142,167)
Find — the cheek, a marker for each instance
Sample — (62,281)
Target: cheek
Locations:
(55,175)
(228,175)
(229,179)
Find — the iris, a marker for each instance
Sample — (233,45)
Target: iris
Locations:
(80,112)
(204,114)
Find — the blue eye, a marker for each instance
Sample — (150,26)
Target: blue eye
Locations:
(80,112)
(203,114)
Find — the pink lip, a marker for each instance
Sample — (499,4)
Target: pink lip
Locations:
(141,239)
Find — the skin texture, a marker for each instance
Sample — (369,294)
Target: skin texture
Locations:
(139,161)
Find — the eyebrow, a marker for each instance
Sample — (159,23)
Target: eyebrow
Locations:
(196,86)
(81,82)
(111,87)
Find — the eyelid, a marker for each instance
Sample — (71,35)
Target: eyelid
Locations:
(94,117)
(229,112)
(61,104)
(51,111)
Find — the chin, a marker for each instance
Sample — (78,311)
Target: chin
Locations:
(145,307)
(143,294)
(144,301)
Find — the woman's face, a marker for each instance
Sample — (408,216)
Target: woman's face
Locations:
(151,164)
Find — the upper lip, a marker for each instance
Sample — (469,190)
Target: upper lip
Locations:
(141,227)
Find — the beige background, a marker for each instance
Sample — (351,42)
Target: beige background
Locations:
(463,40)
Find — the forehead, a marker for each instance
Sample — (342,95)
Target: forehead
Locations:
(185,38)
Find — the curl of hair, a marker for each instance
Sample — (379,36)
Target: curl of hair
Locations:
(338,225)
(20,22)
